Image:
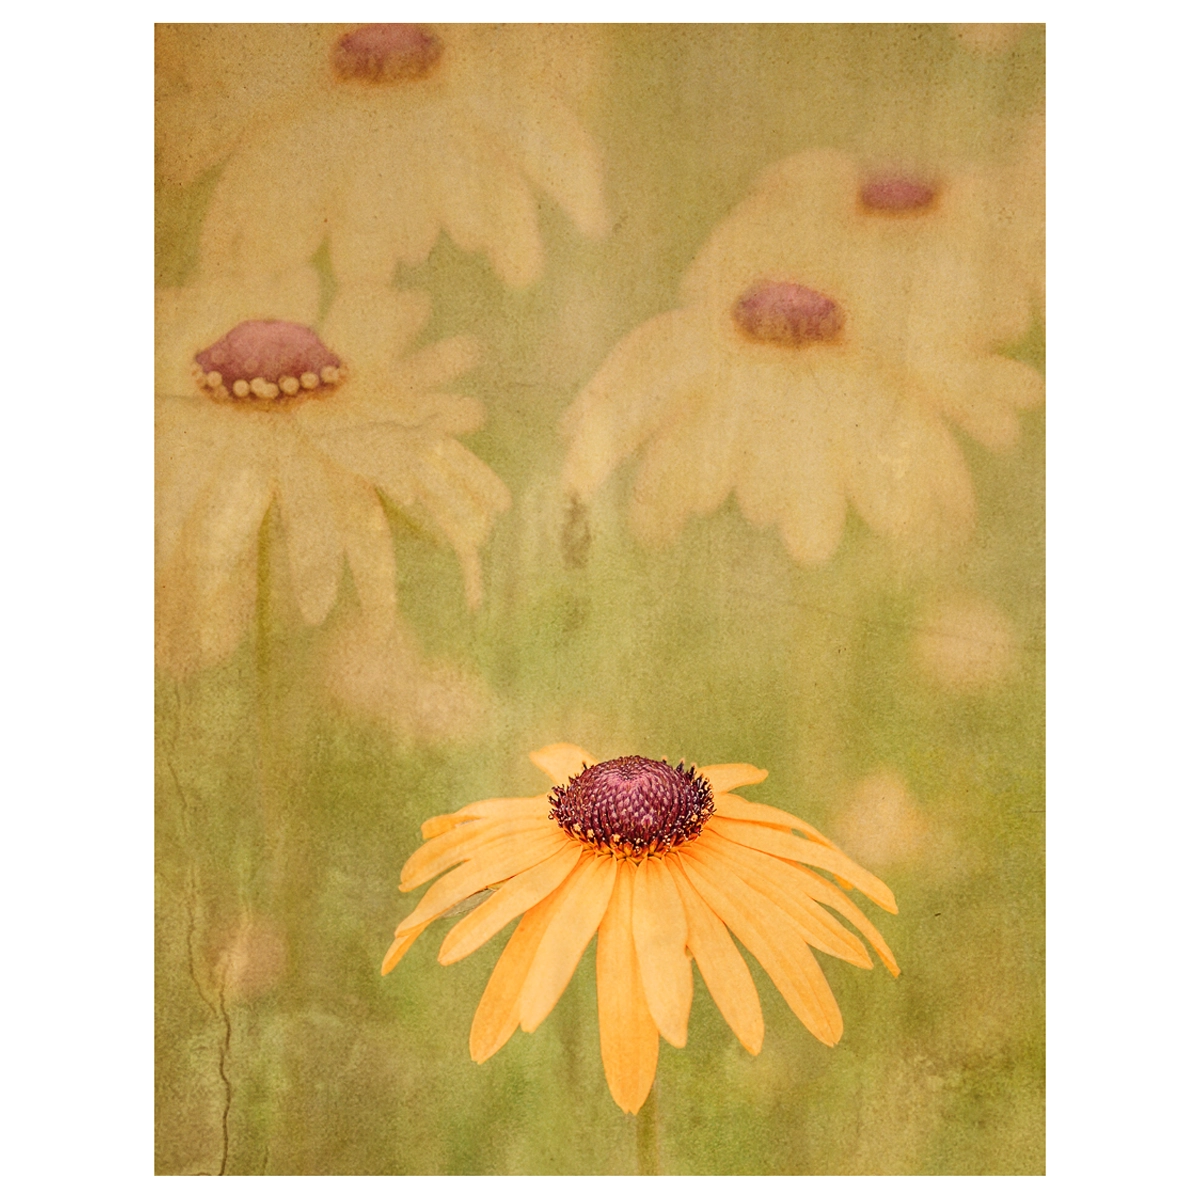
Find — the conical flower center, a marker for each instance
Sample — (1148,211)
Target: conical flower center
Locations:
(386,54)
(896,194)
(268,361)
(787,314)
(633,806)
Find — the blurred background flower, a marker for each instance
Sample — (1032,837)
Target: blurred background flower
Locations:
(255,408)
(380,674)
(830,324)
(883,826)
(376,138)
(965,643)
(252,960)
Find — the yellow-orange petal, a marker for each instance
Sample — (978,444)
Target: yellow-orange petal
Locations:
(513,898)
(776,879)
(784,845)
(725,776)
(495,863)
(561,761)
(772,937)
(660,935)
(628,1034)
(466,841)
(518,806)
(821,889)
(587,890)
(498,1014)
(399,948)
(736,809)
(722,966)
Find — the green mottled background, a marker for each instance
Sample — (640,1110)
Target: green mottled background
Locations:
(276,813)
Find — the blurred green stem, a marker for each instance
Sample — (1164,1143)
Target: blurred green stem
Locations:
(647,1134)
(272,742)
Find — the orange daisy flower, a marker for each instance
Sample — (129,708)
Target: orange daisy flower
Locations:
(662,864)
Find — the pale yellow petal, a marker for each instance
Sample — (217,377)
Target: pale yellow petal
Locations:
(982,394)
(688,468)
(498,1014)
(660,935)
(555,152)
(434,366)
(587,892)
(724,777)
(513,898)
(649,374)
(189,449)
(311,533)
(790,469)
(369,326)
(485,204)
(271,229)
(723,968)
(561,761)
(628,1034)
(370,551)
(776,880)
(784,845)
(908,478)
(496,862)
(772,937)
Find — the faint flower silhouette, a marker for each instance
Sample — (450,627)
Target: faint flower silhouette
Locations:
(381,674)
(881,822)
(965,643)
(831,326)
(661,864)
(1024,204)
(254,408)
(253,960)
(376,138)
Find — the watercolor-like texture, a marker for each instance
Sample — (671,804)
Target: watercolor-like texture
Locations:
(672,391)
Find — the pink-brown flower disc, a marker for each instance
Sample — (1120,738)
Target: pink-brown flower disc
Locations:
(633,806)
(386,53)
(787,314)
(260,359)
(896,194)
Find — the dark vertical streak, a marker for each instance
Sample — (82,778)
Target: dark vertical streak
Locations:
(191,900)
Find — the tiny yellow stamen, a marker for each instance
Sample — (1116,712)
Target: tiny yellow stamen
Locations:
(264,390)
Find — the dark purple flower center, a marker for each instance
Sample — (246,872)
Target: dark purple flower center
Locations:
(267,360)
(633,806)
(896,194)
(787,314)
(386,53)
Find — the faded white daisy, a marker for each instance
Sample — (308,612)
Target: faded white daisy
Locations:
(256,407)
(831,328)
(376,138)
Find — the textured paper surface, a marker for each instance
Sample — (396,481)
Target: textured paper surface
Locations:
(895,690)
